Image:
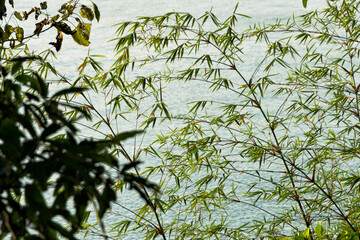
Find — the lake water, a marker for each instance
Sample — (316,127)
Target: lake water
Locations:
(114,11)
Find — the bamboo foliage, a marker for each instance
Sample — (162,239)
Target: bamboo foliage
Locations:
(273,130)
(250,131)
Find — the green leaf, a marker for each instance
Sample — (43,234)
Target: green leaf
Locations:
(304,2)
(80,39)
(9,29)
(18,63)
(6,32)
(18,15)
(19,34)
(33,195)
(319,230)
(43,5)
(85,217)
(82,34)
(86,28)
(35,82)
(97,12)
(86,12)
(124,135)
(68,91)
(15,68)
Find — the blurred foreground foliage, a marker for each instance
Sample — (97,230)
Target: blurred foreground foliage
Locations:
(50,176)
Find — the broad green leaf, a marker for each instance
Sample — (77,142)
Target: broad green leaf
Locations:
(82,34)
(19,34)
(80,39)
(18,15)
(9,29)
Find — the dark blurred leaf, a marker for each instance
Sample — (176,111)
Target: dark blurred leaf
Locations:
(49,130)
(61,230)
(108,195)
(124,135)
(35,82)
(2,9)
(33,195)
(68,91)
(18,63)
(37,13)
(2,35)
(27,14)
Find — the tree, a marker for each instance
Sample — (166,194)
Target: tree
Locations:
(49,175)
(70,13)
(282,139)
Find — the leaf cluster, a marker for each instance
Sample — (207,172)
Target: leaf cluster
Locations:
(69,13)
(42,158)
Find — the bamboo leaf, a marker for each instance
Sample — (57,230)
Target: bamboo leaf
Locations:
(304,2)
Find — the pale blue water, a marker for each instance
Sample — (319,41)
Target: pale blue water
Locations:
(112,12)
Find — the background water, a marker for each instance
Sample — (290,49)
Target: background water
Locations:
(114,11)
